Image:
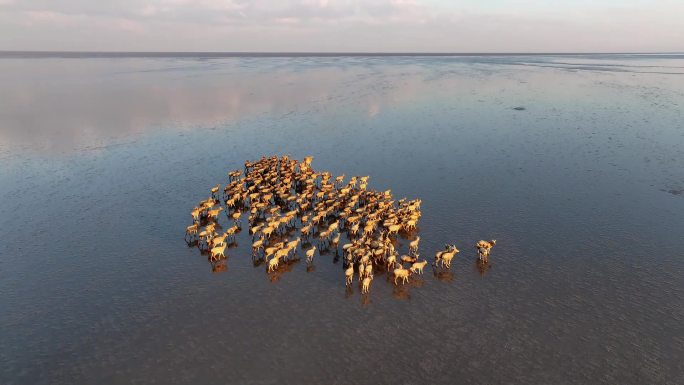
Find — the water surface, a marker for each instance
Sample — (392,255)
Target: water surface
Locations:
(583,188)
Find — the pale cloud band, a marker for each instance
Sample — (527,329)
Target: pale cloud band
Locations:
(343,25)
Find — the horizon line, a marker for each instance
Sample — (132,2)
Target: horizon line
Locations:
(70,53)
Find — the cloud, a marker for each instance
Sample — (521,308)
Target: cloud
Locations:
(342,25)
(208,10)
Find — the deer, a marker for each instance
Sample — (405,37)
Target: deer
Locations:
(255,229)
(234,175)
(192,230)
(336,240)
(391,261)
(231,232)
(210,227)
(409,259)
(410,225)
(324,235)
(393,229)
(279,189)
(267,231)
(368,271)
(349,274)
(413,246)
(305,231)
(273,264)
(270,251)
(281,253)
(196,214)
(218,252)
(354,229)
(418,267)
(257,245)
(483,249)
(365,288)
(293,244)
(446,256)
(219,240)
(236,217)
(368,229)
(205,235)
(402,273)
(310,254)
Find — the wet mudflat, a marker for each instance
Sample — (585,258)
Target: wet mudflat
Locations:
(573,164)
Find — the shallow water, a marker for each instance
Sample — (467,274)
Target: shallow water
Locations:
(103,158)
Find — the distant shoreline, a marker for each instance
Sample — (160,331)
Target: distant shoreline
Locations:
(141,54)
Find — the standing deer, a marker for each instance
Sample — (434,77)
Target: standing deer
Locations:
(446,256)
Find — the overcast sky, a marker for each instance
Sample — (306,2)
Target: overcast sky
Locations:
(344,25)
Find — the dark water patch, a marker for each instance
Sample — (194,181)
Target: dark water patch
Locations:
(676,192)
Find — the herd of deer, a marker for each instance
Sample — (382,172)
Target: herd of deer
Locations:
(280,195)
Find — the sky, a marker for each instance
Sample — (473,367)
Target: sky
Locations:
(343,25)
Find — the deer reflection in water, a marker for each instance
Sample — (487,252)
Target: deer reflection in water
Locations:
(365,299)
(401,292)
(348,291)
(482,267)
(443,275)
(219,266)
(417,282)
